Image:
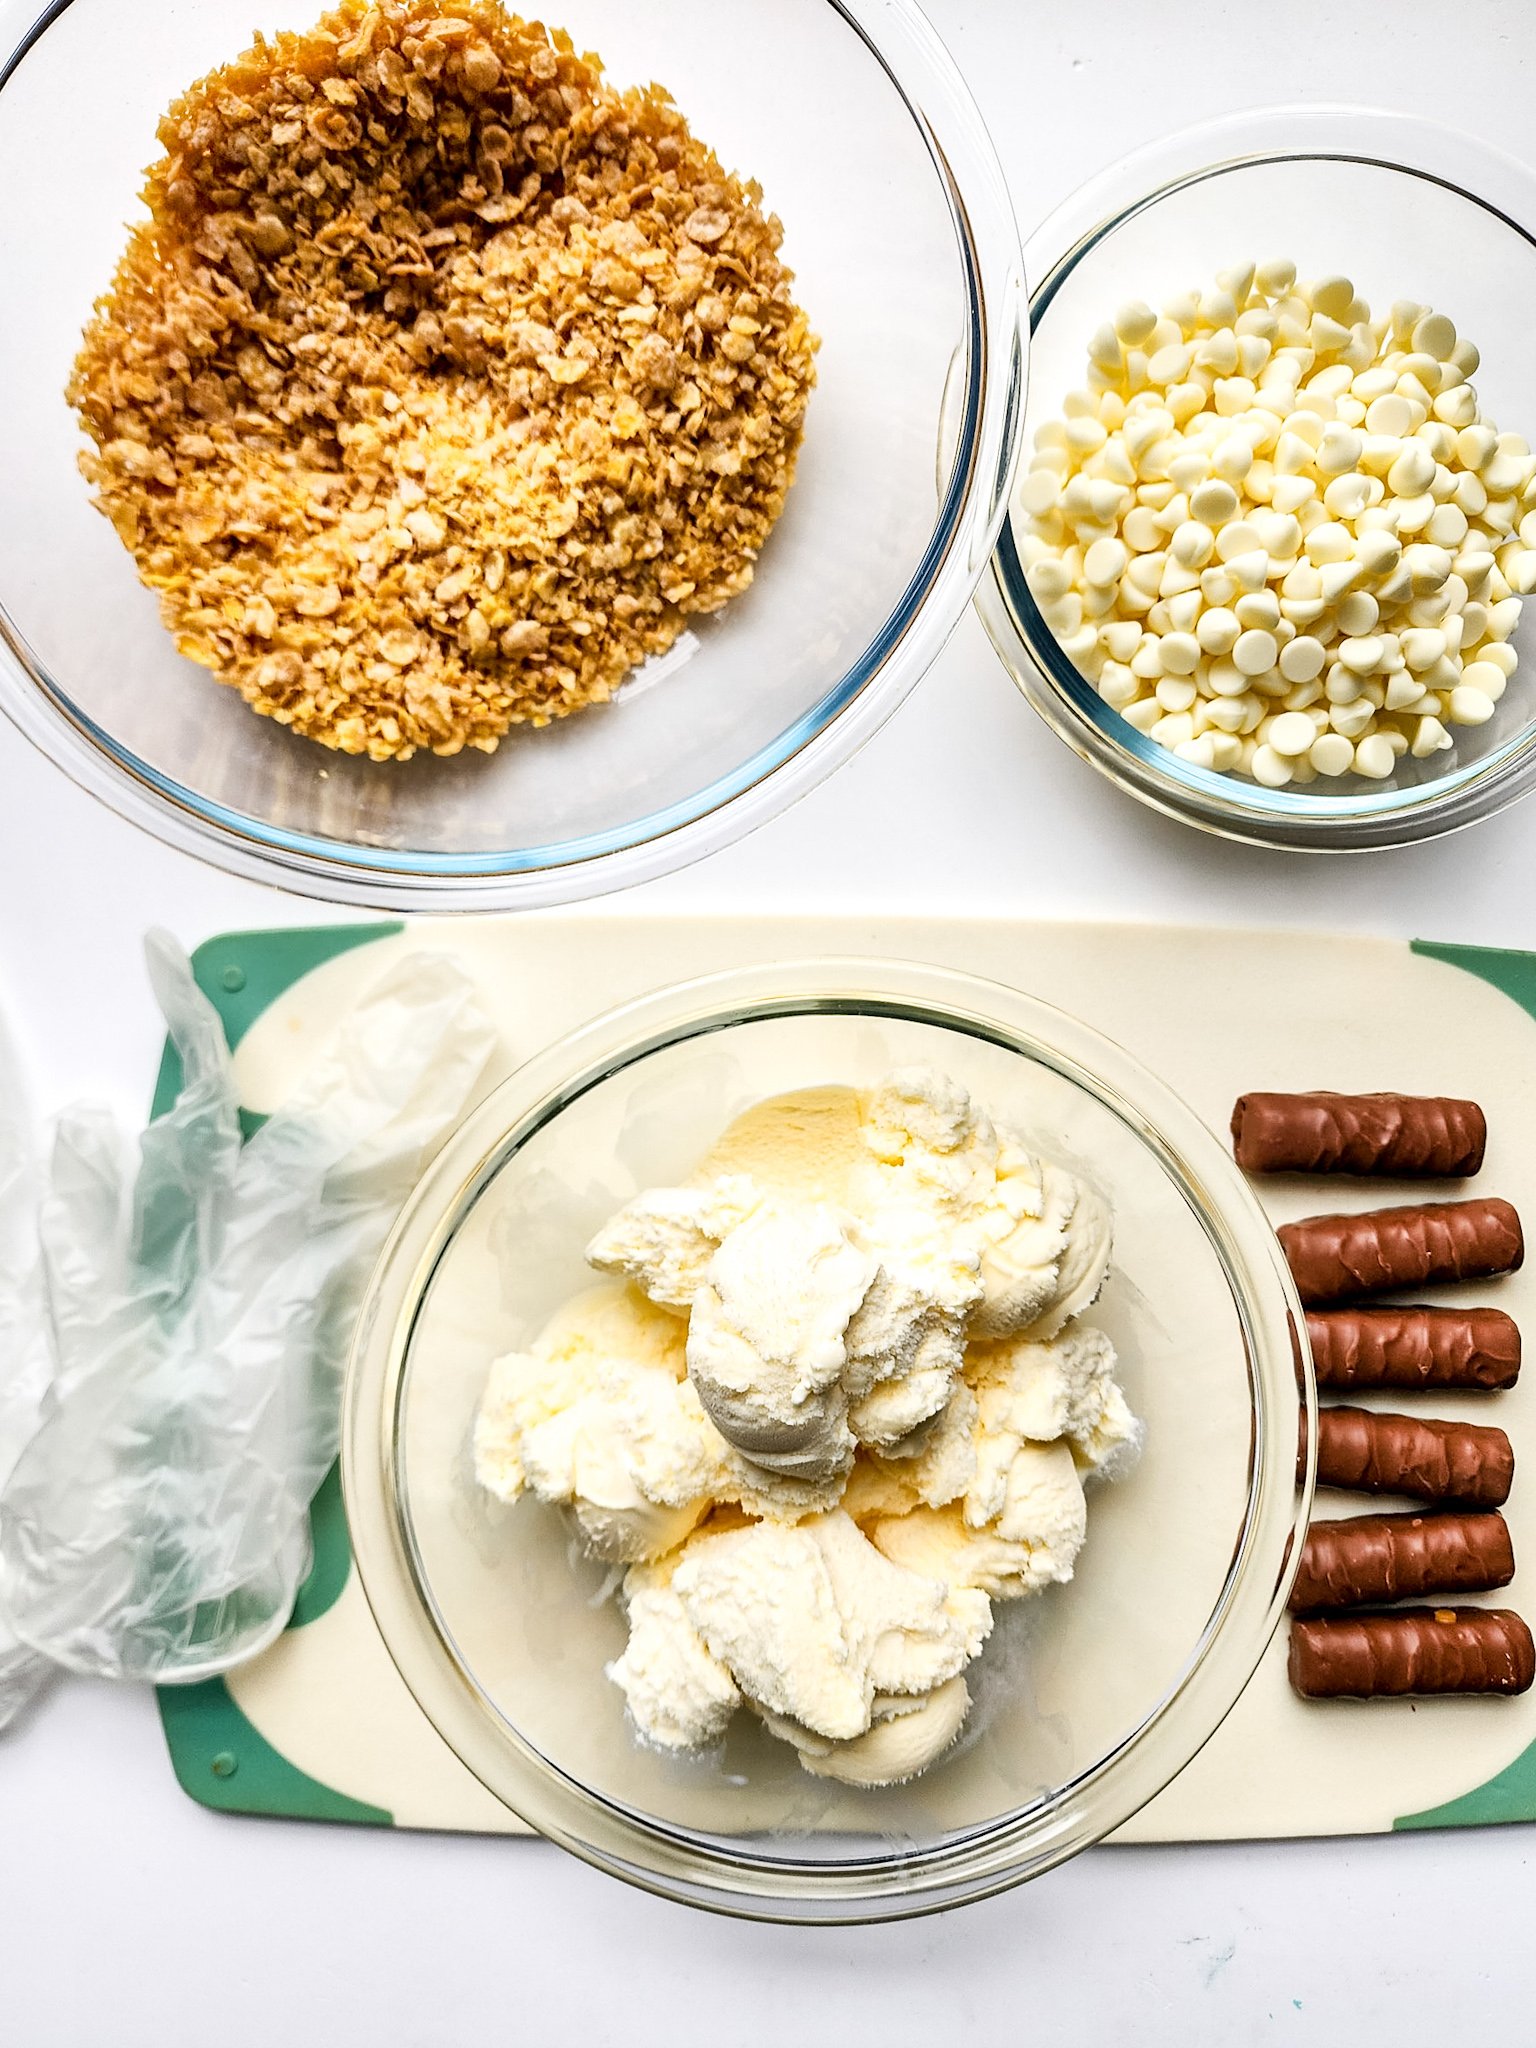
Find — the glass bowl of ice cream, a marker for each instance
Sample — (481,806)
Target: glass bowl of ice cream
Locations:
(821,1443)
(641,384)
(1254,307)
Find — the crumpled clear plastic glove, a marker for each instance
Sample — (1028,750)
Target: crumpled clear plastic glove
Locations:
(157,1524)
(26,1365)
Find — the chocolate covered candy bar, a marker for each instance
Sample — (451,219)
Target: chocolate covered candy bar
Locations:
(1370,1558)
(1334,1257)
(1412,1136)
(1463,1463)
(1413,1347)
(1414,1650)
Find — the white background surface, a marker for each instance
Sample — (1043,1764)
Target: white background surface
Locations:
(129,1915)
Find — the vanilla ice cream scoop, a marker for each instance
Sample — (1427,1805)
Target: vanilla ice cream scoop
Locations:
(1029,1390)
(994,1497)
(904,1737)
(932,1141)
(806,1143)
(599,1416)
(896,1409)
(665,1238)
(1019,1242)
(812,1622)
(906,1341)
(1084,1262)
(1048,1265)
(833,1402)
(679,1696)
(766,1337)
(1037,1522)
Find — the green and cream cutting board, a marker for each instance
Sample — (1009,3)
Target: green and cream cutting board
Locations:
(321,1726)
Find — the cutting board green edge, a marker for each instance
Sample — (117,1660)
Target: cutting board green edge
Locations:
(219,1758)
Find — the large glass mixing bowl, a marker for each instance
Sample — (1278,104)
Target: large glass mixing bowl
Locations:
(900,230)
(1089,1698)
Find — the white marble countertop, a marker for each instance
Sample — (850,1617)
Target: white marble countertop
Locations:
(130,1915)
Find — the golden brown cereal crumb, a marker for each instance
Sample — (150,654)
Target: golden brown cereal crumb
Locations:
(443,382)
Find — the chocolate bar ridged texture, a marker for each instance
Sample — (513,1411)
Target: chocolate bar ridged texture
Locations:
(1411,1136)
(1462,1463)
(1366,1559)
(1413,1650)
(1414,1347)
(1334,1257)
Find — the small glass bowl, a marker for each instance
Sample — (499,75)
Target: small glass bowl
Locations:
(1089,1698)
(901,233)
(1406,210)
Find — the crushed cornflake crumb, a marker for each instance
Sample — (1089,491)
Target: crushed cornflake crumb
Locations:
(444,383)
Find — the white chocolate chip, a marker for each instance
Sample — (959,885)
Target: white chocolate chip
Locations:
(1349,495)
(1250,571)
(1180,654)
(1192,544)
(1412,472)
(1331,754)
(1352,719)
(1357,612)
(1389,416)
(1106,561)
(1338,450)
(1270,768)
(1117,685)
(1339,577)
(1374,758)
(1470,706)
(1378,552)
(1422,647)
(1332,295)
(1172,730)
(1361,656)
(1447,527)
(1484,676)
(1256,651)
(1277,534)
(1428,568)
(1431,738)
(1329,541)
(1213,502)
(1217,630)
(1414,514)
(1475,445)
(1302,659)
(1434,336)
(1291,733)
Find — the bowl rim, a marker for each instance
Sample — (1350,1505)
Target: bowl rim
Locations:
(976,423)
(980,1860)
(1290,820)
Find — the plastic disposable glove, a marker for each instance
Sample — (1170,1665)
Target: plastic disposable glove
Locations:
(25,1362)
(156,1526)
